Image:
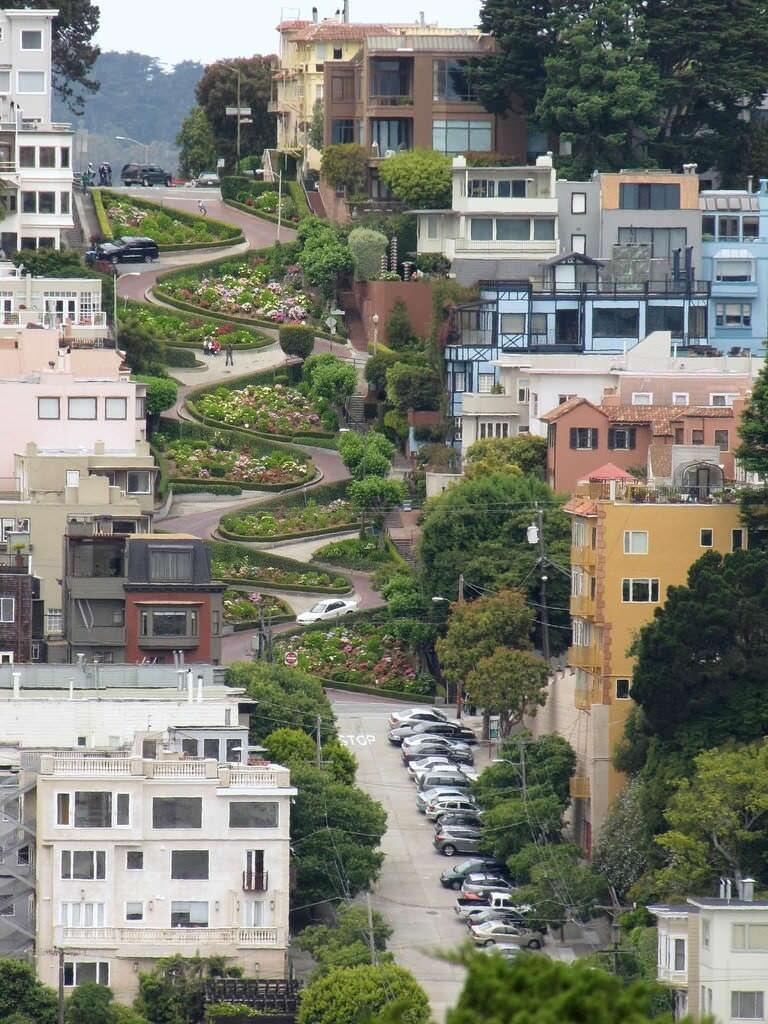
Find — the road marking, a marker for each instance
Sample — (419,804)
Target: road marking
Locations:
(360,740)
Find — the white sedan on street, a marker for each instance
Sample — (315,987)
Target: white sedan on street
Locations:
(329,609)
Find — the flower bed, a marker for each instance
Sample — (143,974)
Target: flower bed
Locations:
(243,289)
(354,553)
(359,653)
(242,608)
(194,459)
(267,409)
(177,329)
(237,564)
(126,216)
(282,523)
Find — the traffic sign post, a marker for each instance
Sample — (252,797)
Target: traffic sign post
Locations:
(291,659)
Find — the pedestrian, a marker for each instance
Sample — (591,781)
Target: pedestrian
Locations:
(108,168)
(202,208)
(229,361)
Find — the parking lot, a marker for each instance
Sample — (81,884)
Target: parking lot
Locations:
(408,893)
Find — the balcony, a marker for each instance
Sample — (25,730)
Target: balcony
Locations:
(579,787)
(583,605)
(241,777)
(737,289)
(391,101)
(513,249)
(476,404)
(14,564)
(255,882)
(589,658)
(87,588)
(586,556)
(109,636)
(196,939)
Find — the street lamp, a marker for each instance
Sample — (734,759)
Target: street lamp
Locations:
(130,273)
(136,142)
(375,322)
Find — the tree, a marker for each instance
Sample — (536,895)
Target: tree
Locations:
(73,53)
(49,262)
(510,684)
(476,629)
(217,90)
(419,177)
(125,1015)
(479,528)
(144,350)
(173,991)
(752,455)
(346,994)
(376,369)
(335,833)
(624,845)
(366,454)
(89,1004)
(346,943)
(561,887)
(414,386)
(325,256)
(601,91)
(296,340)
(397,329)
(367,249)
(523,453)
(197,146)
(284,696)
(345,166)
(317,127)
(718,820)
(535,988)
(405,597)
(334,382)
(21,992)
(375,495)
(162,393)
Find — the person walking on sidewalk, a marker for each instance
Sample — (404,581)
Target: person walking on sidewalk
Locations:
(230,360)
(202,208)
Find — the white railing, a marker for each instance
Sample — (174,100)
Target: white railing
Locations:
(179,769)
(71,765)
(511,248)
(253,777)
(172,936)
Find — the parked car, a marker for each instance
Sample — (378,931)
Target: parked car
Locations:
(144,174)
(452,777)
(207,179)
(447,819)
(459,758)
(452,877)
(428,796)
(330,608)
(501,949)
(422,746)
(449,842)
(443,802)
(485,881)
(419,764)
(487,933)
(452,730)
(413,715)
(128,249)
(449,769)
(495,914)
(470,903)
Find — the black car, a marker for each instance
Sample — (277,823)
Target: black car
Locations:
(454,877)
(465,819)
(144,174)
(448,730)
(130,249)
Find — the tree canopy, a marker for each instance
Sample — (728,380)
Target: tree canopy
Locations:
(22,993)
(347,994)
(510,684)
(497,454)
(197,146)
(217,90)
(344,165)
(346,943)
(366,454)
(419,177)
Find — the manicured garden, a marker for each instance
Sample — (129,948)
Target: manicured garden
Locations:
(124,215)
(267,409)
(243,608)
(192,459)
(234,563)
(362,654)
(363,554)
(298,521)
(179,329)
(242,288)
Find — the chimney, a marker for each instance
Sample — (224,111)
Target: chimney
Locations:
(199,689)
(314,15)
(422,19)
(728,889)
(345,12)
(750,179)
(722,888)
(747,887)
(16,685)
(190,685)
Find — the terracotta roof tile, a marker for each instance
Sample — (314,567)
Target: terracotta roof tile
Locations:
(581,507)
(565,407)
(608,471)
(338,30)
(707,411)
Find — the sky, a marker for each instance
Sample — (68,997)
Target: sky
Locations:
(176,30)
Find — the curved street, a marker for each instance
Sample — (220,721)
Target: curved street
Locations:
(201,518)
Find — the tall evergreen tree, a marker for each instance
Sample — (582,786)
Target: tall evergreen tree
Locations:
(217,90)
(752,455)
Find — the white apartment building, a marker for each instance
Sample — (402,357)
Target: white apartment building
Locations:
(713,953)
(35,153)
(133,827)
(71,304)
(503,221)
(534,383)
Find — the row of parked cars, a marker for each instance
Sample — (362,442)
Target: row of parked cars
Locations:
(438,756)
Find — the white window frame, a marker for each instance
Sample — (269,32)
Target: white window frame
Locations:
(82,398)
(73,478)
(632,580)
(759,999)
(711,532)
(579,243)
(485,383)
(7,609)
(642,398)
(523,391)
(123,405)
(94,863)
(31,31)
(583,203)
(139,903)
(629,538)
(74,964)
(71,817)
(31,92)
(678,395)
(727,399)
(148,489)
(41,405)
(68,918)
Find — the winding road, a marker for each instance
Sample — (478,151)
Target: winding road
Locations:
(201,518)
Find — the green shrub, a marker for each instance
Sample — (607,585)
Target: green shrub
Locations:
(207,489)
(367,249)
(180,357)
(296,340)
(364,555)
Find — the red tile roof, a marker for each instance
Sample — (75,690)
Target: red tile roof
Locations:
(608,472)
(565,407)
(581,507)
(340,30)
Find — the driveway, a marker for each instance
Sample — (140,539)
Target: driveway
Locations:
(408,892)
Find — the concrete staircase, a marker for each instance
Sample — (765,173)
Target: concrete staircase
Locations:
(355,406)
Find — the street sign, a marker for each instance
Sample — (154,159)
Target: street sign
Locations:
(291,659)
(242,111)
(494,723)
(221,162)
(330,323)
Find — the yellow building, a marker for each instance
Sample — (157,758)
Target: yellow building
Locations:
(625,555)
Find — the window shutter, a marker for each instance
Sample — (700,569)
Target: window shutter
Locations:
(611,437)
(632,432)
(593,435)
(574,437)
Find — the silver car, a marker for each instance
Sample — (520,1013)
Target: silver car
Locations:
(443,802)
(425,797)
(449,842)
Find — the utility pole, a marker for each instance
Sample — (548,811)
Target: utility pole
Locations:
(319,741)
(279,201)
(237,72)
(460,686)
(543,589)
(60,1014)
(371,938)
(523,775)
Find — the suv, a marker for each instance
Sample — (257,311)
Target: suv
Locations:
(124,250)
(453,877)
(450,841)
(144,174)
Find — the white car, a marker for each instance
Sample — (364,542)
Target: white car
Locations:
(331,608)
(415,768)
(448,768)
(412,715)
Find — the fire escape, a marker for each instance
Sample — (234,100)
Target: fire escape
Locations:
(17,871)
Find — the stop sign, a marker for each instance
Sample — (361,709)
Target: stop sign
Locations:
(291,658)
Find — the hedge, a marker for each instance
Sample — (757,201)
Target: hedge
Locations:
(181,356)
(267,559)
(297,194)
(234,183)
(244,485)
(211,265)
(161,485)
(179,488)
(321,531)
(259,340)
(296,340)
(232,235)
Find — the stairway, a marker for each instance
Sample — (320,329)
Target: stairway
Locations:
(355,406)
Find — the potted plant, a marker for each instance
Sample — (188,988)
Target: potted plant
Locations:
(18,550)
